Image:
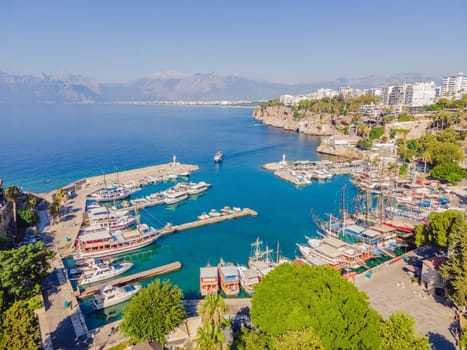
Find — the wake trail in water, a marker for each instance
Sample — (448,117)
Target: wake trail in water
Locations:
(255,150)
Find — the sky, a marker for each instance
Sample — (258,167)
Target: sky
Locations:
(281,41)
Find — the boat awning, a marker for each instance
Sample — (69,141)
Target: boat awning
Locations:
(130,234)
(371,233)
(334,242)
(95,236)
(329,251)
(208,272)
(317,261)
(355,228)
(229,271)
(383,228)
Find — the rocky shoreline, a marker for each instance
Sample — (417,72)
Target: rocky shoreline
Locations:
(306,122)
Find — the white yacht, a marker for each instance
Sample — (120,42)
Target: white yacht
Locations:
(102,271)
(198,188)
(218,157)
(112,295)
(175,197)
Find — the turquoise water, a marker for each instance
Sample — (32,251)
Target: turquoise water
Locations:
(64,143)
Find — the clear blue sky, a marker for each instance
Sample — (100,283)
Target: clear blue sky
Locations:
(273,40)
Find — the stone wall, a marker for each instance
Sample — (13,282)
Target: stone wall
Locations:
(7,225)
(321,124)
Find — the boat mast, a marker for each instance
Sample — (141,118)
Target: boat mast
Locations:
(343,209)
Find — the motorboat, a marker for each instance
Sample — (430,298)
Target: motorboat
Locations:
(103,271)
(198,188)
(218,157)
(112,295)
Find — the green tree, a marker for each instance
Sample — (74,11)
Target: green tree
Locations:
(337,312)
(422,235)
(449,172)
(12,194)
(445,152)
(398,332)
(253,340)
(210,337)
(213,309)
(154,312)
(28,215)
(441,225)
(376,133)
(364,144)
(20,329)
(23,270)
(454,271)
(54,209)
(298,340)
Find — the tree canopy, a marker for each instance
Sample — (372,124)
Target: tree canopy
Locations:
(298,340)
(398,332)
(293,297)
(449,172)
(439,229)
(454,271)
(212,311)
(154,312)
(23,270)
(20,329)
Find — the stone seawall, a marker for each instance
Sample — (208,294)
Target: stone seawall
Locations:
(306,122)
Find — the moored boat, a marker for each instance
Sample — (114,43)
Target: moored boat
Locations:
(108,242)
(112,295)
(248,278)
(103,271)
(200,187)
(229,279)
(208,280)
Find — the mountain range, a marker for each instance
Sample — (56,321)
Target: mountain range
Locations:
(169,86)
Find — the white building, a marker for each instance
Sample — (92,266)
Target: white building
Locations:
(454,86)
(394,94)
(420,94)
(348,92)
(289,100)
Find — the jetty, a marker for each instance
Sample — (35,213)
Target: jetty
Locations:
(211,220)
(177,265)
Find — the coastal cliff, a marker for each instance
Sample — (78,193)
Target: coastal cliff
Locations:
(342,152)
(305,122)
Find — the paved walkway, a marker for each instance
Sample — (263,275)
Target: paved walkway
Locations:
(390,289)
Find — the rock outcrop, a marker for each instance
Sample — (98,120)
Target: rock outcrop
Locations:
(305,122)
(342,152)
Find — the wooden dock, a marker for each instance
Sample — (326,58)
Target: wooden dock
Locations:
(177,265)
(211,220)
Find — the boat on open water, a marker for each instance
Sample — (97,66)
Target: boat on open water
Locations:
(218,157)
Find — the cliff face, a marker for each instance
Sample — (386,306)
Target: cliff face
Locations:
(311,123)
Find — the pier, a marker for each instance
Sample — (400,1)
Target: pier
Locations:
(211,220)
(132,278)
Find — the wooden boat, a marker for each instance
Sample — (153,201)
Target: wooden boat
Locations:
(208,280)
(229,280)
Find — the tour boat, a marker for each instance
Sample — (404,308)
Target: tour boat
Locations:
(108,242)
(208,280)
(112,295)
(248,278)
(218,157)
(229,280)
(103,271)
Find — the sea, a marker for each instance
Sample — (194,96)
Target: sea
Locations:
(43,147)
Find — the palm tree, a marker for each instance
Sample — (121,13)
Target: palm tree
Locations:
(210,337)
(212,309)
(30,200)
(12,194)
(426,157)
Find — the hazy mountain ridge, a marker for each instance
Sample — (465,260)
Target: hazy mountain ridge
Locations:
(70,88)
